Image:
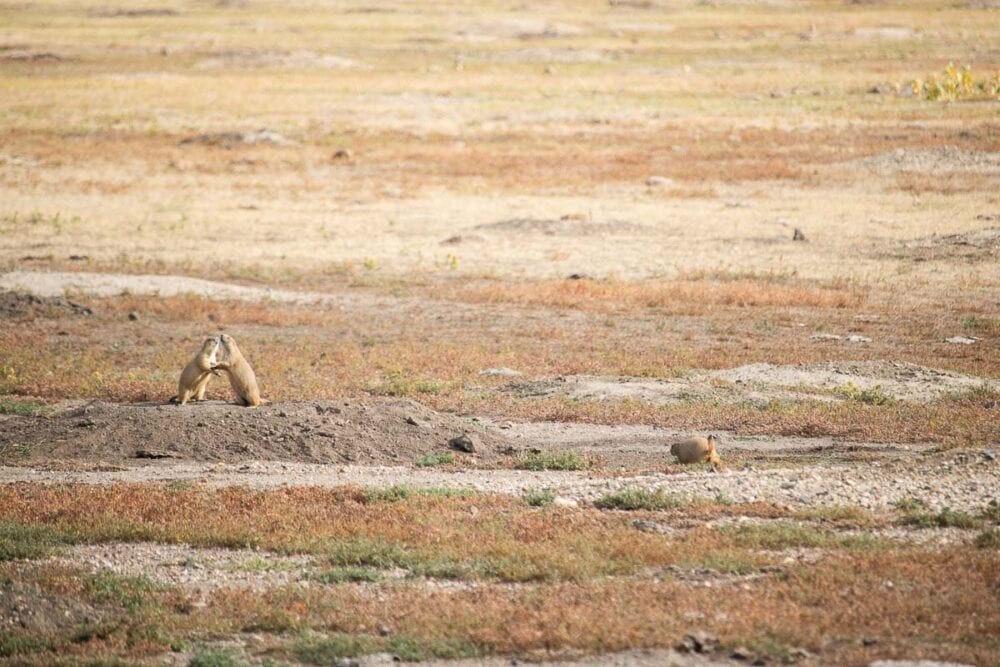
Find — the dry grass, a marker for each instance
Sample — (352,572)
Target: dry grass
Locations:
(428,534)
(667,298)
(939,606)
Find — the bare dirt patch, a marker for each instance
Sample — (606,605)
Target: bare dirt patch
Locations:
(828,381)
(564,226)
(977,245)
(18,305)
(311,431)
(944,160)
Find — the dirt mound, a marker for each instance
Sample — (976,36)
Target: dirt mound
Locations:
(19,305)
(371,432)
(981,244)
(564,226)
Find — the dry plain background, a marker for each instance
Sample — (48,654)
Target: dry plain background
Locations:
(384,203)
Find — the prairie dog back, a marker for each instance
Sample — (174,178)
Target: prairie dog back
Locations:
(195,376)
(241,376)
(696,450)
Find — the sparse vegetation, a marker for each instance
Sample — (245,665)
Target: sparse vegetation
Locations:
(946,518)
(15,407)
(639,499)
(435,459)
(956,84)
(625,204)
(551,461)
(27,541)
(539,498)
(870,396)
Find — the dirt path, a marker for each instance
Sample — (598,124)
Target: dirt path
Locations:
(964,481)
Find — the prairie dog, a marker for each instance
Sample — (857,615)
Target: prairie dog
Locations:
(696,450)
(195,376)
(241,375)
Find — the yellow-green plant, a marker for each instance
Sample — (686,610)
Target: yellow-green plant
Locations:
(957,83)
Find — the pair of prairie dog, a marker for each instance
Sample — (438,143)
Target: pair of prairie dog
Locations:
(195,376)
(696,450)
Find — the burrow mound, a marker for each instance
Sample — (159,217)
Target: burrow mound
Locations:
(395,431)
(20,305)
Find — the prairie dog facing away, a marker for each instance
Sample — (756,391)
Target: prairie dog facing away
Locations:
(241,375)
(696,450)
(195,376)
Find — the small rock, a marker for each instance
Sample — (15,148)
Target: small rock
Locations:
(698,642)
(505,425)
(560,501)
(989,454)
(413,421)
(855,338)
(466,442)
(155,454)
(824,336)
(659,181)
(501,371)
(798,235)
(961,340)
(578,276)
(133,316)
(740,653)
(343,154)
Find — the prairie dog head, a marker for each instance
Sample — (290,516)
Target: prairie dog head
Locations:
(229,346)
(713,456)
(211,348)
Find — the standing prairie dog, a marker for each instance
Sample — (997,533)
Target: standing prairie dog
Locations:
(696,450)
(241,375)
(195,376)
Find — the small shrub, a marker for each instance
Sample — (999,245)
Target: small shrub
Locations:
(399,384)
(434,459)
(957,83)
(389,494)
(991,511)
(551,461)
(109,588)
(638,499)
(910,505)
(871,396)
(988,539)
(539,498)
(366,552)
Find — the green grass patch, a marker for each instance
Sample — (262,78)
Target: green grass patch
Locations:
(639,499)
(946,518)
(23,541)
(551,461)
(132,593)
(539,498)
(392,494)
(785,535)
(216,658)
(400,384)
(26,408)
(327,650)
(434,459)
(12,643)
(349,574)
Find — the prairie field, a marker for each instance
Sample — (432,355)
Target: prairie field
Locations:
(488,262)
